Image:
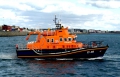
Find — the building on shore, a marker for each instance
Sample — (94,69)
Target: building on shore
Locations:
(7,30)
(0,27)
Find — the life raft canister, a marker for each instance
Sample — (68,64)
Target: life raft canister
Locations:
(53,46)
(63,46)
(72,46)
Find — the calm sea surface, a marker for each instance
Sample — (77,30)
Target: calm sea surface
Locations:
(11,66)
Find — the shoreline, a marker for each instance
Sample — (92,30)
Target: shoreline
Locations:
(12,33)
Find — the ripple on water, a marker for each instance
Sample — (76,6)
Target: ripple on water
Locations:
(10,65)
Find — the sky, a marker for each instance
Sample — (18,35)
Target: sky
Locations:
(80,14)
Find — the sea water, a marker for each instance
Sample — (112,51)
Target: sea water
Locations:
(108,66)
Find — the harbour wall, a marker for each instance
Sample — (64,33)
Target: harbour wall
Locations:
(12,33)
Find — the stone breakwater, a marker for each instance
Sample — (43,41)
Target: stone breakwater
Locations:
(12,33)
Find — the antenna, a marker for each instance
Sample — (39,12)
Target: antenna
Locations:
(55,19)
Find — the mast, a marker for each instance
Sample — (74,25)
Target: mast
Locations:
(58,25)
(55,20)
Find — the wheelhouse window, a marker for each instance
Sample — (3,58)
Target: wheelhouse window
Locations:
(60,39)
(74,38)
(65,39)
(52,40)
(69,39)
(48,40)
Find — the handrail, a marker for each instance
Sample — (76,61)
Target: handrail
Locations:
(21,46)
(34,32)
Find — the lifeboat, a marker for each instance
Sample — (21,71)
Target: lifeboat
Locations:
(59,44)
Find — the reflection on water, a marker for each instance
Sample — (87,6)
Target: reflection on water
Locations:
(52,67)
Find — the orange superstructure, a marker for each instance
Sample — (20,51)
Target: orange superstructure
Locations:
(60,38)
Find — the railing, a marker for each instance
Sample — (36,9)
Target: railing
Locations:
(93,44)
(21,46)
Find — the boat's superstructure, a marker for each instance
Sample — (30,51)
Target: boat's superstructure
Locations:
(59,44)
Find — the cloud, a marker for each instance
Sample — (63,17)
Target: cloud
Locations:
(102,3)
(11,18)
(15,5)
(70,8)
(85,14)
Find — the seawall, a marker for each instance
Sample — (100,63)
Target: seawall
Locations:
(12,33)
(77,33)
